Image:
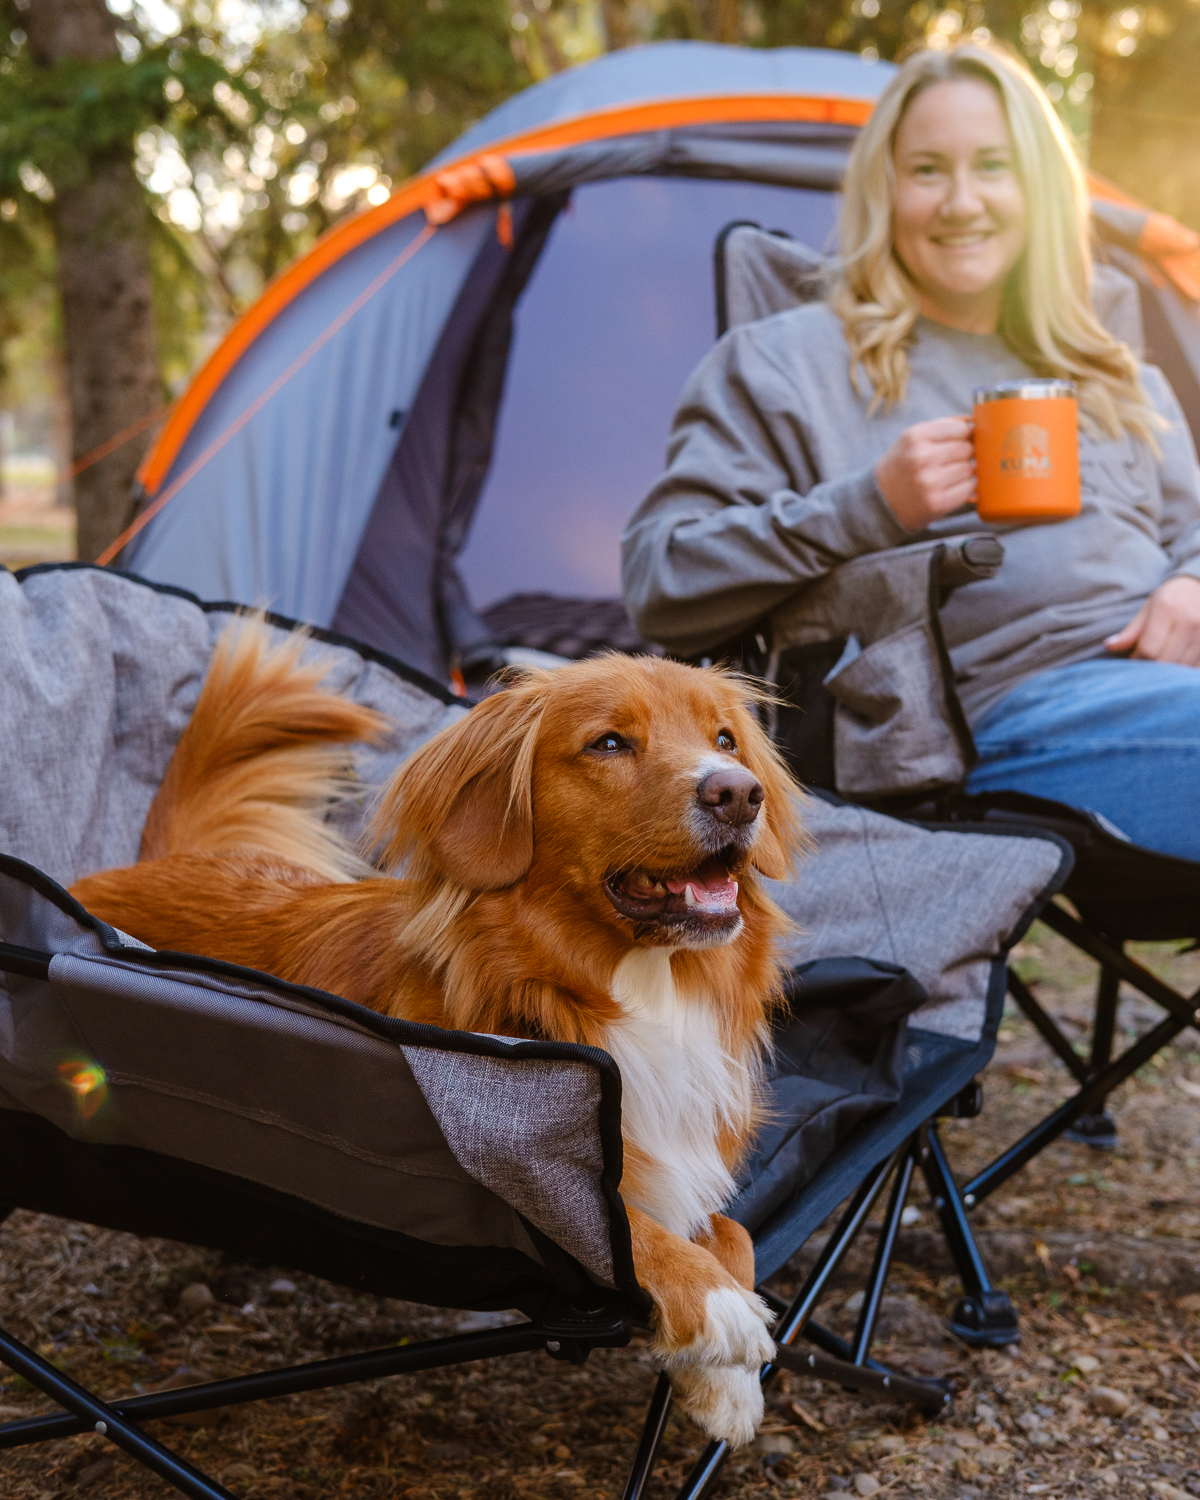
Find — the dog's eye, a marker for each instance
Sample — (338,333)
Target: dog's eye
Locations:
(726,742)
(609,744)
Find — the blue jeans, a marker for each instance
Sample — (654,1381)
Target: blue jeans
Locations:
(1118,737)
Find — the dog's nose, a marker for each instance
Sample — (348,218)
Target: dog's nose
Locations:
(733,793)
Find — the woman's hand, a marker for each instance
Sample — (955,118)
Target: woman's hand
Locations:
(1166,628)
(928,471)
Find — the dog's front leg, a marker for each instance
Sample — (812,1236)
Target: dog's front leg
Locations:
(709,1330)
(732,1246)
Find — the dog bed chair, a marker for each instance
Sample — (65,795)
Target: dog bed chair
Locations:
(168,1094)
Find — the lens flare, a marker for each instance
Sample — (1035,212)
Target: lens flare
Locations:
(86,1080)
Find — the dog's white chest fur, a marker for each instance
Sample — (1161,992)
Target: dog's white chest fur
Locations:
(679,1088)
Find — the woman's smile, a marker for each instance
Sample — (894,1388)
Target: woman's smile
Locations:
(959,218)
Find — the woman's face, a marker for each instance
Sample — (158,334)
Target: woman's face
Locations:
(958,225)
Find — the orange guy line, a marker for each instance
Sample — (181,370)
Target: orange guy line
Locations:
(111,551)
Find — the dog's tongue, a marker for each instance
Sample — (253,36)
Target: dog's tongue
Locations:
(710,886)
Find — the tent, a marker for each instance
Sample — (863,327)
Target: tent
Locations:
(429,431)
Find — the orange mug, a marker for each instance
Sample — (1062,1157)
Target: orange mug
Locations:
(1027,451)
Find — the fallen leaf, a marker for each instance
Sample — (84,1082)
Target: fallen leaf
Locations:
(1086,1364)
(1039,1249)
(1166,1491)
(1026,1075)
(1192,1090)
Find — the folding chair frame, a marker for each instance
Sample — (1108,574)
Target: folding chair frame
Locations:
(1100,1073)
(569,1335)
(984,1317)
(567,1332)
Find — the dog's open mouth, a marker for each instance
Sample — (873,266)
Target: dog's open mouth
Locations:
(702,899)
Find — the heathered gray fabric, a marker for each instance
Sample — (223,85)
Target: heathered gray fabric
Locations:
(770,483)
(939,904)
(243,1078)
(766,274)
(98,676)
(893,730)
(528,1129)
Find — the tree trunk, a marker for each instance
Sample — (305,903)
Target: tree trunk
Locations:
(104,281)
(620,30)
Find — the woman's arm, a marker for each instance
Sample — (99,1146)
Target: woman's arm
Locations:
(740,519)
(1167,627)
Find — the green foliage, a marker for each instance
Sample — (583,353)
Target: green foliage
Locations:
(64,119)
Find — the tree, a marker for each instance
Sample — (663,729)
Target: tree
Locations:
(180,162)
(100,231)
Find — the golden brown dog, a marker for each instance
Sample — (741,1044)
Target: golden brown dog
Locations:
(580,857)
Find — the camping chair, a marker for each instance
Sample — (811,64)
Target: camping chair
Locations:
(168,1094)
(913,757)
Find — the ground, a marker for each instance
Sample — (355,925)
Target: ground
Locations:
(1100,1251)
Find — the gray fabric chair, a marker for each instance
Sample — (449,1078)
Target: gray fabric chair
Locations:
(144,1090)
(870,713)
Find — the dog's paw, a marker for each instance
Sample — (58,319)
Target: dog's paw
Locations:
(725,1401)
(734,1331)
(715,1376)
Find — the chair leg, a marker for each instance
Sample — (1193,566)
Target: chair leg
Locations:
(109,1423)
(651,1440)
(985,1318)
(873,1292)
(793,1320)
(1097,1128)
(846,1366)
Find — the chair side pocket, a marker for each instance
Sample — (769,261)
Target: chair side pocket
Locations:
(890,729)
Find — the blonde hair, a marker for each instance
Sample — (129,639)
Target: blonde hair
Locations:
(1046,316)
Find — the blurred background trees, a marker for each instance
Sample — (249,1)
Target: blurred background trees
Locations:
(200,145)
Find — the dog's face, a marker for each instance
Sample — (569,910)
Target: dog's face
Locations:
(645,788)
(653,792)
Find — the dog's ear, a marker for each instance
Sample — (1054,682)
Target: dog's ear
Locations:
(462,807)
(781,839)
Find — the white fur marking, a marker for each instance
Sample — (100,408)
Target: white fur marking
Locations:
(681,1087)
(716,1376)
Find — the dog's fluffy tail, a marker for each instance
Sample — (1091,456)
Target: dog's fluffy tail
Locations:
(262,759)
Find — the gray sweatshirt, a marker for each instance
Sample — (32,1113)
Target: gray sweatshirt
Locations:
(770,483)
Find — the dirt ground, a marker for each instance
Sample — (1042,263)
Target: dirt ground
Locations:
(1100,1251)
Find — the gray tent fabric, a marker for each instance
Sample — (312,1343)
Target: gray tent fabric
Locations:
(675,70)
(279,476)
(815,158)
(275,516)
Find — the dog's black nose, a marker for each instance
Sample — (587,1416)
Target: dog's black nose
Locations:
(733,793)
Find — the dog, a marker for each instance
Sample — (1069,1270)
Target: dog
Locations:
(579,858)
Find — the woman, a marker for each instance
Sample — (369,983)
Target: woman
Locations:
(837,429)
